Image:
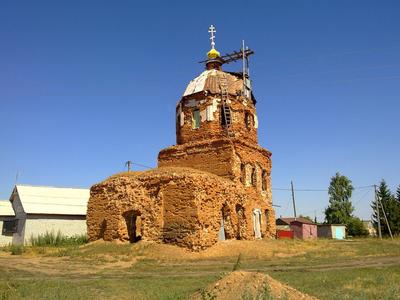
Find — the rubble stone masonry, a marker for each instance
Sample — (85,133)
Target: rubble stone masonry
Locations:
(214,184)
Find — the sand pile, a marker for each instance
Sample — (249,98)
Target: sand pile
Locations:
(249,285)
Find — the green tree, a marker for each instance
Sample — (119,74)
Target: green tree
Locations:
(355,227)
(340,208)
(391,207)
(398,193)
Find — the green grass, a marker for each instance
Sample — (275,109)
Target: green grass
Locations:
(57,239)
(326,269)
(361,283)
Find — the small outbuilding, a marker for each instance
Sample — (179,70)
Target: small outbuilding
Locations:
(302,228)
(332,231)
(6,223)
(41,209)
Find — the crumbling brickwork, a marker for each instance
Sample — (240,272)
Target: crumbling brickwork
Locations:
(214,184)
(180,206)
(208,103)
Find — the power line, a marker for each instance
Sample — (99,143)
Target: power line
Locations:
(319,190)
(129,163)
(300,190)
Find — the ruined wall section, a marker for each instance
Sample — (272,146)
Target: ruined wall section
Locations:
(213,156)
(181,206)
(243,115)
(180,214)
(111,199)
(252,167)
(246,164)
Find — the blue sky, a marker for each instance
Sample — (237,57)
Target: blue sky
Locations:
(88,85)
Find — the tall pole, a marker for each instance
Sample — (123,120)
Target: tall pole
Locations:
(244,70)
(378,214)
(128,164)
(384,214)
(294,203)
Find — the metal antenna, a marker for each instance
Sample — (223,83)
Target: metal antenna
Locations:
(212,38)
(128,164)
(17,177)
(244,68)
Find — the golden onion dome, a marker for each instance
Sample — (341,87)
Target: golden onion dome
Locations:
(213,53)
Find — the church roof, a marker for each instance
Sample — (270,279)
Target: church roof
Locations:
(209,81)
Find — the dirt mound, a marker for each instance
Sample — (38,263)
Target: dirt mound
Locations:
(249,285)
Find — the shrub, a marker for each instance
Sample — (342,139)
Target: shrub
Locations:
(355,227)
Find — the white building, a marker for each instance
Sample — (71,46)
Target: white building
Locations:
(6,214)
(41,209)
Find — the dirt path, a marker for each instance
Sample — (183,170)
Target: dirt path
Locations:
(377,261)
(66,267)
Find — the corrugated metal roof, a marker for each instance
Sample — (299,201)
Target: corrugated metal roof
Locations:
(6,209)
(53,200)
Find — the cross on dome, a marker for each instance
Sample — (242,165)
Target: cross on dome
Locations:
(212,38)
(213,53)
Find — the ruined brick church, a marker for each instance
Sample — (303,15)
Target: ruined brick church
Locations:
(214,184)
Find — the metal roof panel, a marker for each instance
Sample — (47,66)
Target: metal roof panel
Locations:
(53,200)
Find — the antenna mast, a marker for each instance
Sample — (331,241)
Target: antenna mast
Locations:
(246,52)
(244,67)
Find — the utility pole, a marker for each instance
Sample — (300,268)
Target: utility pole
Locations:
(387,222)
(294,203)
(378,214)
(128,164)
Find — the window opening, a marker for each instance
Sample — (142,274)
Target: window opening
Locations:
(266,219)
(10,227)
(264,180)
(253,176)
(247,120)
(196,119)
(243,173)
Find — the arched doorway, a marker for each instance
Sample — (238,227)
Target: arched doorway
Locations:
(241,222)
(257,223)
(267,216)
(133,225)
(226,231)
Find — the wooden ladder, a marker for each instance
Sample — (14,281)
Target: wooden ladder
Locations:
(225,106)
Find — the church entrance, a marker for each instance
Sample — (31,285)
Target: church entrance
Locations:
(241,222)
(221,233)
(133,225)
(257,223)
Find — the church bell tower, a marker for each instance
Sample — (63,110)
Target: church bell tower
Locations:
(217,124)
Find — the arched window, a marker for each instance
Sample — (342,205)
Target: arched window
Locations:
(195,118)
(248,120)
(264,180)
(267,219)
(253,178)
(243,173)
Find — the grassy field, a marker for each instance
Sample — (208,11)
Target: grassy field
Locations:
(326,269)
